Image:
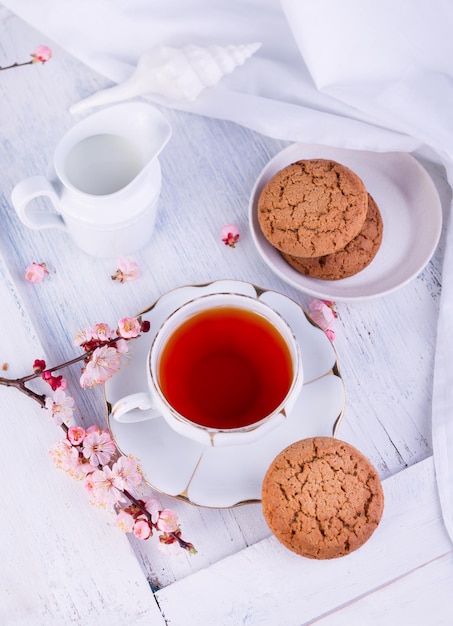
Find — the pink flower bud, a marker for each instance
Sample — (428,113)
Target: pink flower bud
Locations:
(168,521)
(125,521)
(35,272)
(127,270)
(76,435)
(39,365)
(56,382)
(142,529)
(41,54)
(323,313)
(230,235)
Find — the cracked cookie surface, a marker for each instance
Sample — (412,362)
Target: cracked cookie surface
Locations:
(312,208)
(322,498)
(355,256)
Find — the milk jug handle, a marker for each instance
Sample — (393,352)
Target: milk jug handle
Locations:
(26,191)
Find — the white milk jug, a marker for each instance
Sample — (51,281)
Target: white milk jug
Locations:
(104,181)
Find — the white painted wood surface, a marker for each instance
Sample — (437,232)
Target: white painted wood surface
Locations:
(286,589)
(62,562)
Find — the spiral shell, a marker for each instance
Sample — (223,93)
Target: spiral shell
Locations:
(210,64)
(175,74)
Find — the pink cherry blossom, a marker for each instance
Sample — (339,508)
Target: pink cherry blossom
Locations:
(168,521)
(323,313)
(35,272)
(76,435)
(94,428)
(129,327)
(125,521)
(153,506)
(121,346)
(65,456)
(102,488)
(331,305)
(83,337)
(104,362)
(89,377)
(230,235)
(98,447)
(127,473)
(60,408)
(89,484)
(83,468)
(103,332)
(142,529)
(127,270)
(41,54)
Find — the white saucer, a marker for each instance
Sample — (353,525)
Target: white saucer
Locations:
(226,476)
(410,208)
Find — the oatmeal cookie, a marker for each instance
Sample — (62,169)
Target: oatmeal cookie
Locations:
(355,256)
(322,498)
(312,208)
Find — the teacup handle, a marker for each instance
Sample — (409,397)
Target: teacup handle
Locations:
(124,410)
(29,189)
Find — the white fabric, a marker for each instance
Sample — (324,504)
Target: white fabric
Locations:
(272,92)
(364,75)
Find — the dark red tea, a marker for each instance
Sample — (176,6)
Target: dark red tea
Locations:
(225,368)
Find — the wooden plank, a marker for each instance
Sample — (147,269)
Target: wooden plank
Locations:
(62,560)
(266,584)
(421,597)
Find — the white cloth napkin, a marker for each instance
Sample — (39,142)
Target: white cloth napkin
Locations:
(363,75)
(272,93)
(393,62)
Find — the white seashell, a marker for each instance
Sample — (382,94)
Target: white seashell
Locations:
(174,73)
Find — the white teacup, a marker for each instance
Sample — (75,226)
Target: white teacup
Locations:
(223,369)
(104,181)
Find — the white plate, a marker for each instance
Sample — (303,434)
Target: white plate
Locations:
(411,213)
(227,476)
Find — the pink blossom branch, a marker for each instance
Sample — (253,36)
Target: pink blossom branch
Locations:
(41,55)
(38,374)
(184,544)
(128,328)
(18,383)
(8,67)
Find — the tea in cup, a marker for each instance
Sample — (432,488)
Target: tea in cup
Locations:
(223,369)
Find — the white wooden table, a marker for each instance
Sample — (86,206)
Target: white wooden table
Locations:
(62,561)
